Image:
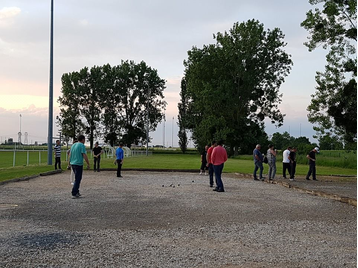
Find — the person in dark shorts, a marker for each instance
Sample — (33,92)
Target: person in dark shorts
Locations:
(96,151)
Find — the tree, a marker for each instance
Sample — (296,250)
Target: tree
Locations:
(183,109)
(142,96)
(115,100)
(69,119)
(333,107)
(328,142)
(234,84)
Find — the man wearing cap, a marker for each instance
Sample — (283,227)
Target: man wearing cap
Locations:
(312,162)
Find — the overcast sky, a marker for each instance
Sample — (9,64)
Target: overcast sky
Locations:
(159,32)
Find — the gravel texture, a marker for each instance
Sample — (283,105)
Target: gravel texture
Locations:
(154,219)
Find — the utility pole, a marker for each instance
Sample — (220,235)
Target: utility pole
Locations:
(50,102)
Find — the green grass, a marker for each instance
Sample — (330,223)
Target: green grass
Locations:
(169,162)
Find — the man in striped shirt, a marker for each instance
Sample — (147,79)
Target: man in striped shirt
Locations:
(57,153)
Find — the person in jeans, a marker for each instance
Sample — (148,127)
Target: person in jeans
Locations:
(96,151)
(312,162)
(57,153)
(77,154)
(210,163)
(271,157)
(218,158)
(258,159)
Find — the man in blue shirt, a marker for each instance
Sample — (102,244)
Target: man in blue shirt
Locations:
(258,159)
(77,154)
(119,159)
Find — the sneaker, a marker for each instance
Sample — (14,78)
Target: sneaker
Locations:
(315,179)
(256,179)
(308,179)
(220,190)
(75,196)
(292,180)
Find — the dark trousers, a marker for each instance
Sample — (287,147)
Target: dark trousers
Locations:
(57,162)
(119,168)
(288,167)
(312,170)
(78,170)
(96,163)
(211,174)
(218,169)
(258,165)
(293,169)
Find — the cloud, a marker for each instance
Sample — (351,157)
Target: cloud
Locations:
(8,12)
(84,22)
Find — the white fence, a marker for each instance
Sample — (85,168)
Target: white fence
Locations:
(27,157)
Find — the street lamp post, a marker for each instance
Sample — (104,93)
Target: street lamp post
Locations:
(50,103)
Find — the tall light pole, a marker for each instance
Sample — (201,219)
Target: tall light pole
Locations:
(50,101)
(164,130)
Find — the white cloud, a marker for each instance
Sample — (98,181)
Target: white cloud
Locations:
(8,12)
(84,22)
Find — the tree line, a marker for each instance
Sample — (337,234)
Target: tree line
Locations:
(120,102)
(230,87)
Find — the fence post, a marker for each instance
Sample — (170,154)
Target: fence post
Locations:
(14,159)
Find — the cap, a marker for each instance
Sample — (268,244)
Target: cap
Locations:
(317,149)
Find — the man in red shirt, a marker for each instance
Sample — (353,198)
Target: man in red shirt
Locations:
(218,158)
(210,164)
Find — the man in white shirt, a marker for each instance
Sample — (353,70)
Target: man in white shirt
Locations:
(286,162)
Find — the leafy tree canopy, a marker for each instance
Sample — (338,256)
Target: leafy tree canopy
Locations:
(233,85)
(333,107)
(118,103)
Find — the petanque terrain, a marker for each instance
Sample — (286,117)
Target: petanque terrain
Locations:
(171,219)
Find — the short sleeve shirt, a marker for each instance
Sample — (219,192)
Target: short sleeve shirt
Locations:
(285,155)
(312,154)
(77,150)
(259,154)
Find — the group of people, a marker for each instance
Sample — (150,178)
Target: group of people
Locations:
(288,163)
(77,154)
(213,159)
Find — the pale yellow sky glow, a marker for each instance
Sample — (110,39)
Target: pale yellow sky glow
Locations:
(18,102)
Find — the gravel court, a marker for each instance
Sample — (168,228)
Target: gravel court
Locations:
(154,219)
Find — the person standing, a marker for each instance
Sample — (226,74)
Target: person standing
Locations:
(271,157)
(96,152)
(119,159)
(77,154)
(218,158)
(57,153)
(312,163)
(210,163)
(292,158)
(203,161)
(286,162)
(258,159)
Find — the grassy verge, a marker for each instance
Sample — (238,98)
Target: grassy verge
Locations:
(175,162)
